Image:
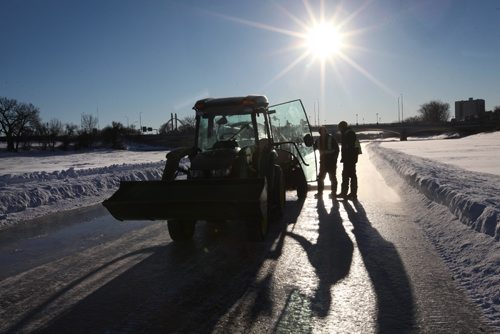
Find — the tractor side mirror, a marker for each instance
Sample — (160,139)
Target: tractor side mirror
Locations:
(308,140)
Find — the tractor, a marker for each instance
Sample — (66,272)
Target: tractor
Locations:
(245,155)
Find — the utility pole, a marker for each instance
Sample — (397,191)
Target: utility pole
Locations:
(314,113)
(402,118)
(399,118)
(356,119)
(318,114)
(377,118)
(140,121)
(98,128)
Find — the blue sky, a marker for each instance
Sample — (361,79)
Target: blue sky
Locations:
(142,60)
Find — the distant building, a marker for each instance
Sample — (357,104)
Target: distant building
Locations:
(468,110)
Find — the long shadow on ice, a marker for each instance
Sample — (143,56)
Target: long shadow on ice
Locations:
(395,302)
(331,255)
(178,288)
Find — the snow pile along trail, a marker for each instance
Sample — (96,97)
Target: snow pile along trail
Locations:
(470,196)
(30,195)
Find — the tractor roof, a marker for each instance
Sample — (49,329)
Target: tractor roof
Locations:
(231,105)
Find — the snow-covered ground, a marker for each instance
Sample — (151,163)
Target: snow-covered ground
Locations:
(462,174)
(461,179)
(35,184)
(459,176)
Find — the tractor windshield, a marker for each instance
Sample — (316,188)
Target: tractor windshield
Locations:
(225,131)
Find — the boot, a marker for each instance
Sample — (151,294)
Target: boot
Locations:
(321,186)
(344,187)
(354,188)
(334,189)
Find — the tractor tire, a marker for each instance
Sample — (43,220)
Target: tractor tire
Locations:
(181,230)
(302,187)
(257,228)
(279,194)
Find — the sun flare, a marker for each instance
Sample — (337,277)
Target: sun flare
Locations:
(324,40)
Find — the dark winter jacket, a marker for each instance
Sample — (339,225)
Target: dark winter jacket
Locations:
(349,150)
(327,145)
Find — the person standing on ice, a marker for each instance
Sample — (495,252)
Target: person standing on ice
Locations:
(349,157)
(328,154)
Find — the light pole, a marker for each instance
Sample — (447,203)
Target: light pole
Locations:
(377,118)
(140,121)
(402,118)
(357,119)
(399,119)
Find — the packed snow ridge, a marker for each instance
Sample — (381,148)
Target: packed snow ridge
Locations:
(42,192)
(472,197)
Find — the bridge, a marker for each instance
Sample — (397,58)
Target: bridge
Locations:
(404,130)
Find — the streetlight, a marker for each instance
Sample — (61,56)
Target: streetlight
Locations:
(402,118)
(377,118)
(357,119)
(140,121)
(399,119)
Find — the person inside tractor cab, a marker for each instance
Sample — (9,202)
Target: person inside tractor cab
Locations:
(172,166)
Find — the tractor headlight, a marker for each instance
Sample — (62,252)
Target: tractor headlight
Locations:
(221,172)
(197,173)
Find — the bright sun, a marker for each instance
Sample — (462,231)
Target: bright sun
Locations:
(324,40)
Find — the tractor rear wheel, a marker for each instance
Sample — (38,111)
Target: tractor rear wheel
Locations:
(181,230)
(279,195)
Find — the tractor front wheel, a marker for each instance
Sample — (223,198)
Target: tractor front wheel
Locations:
(279,194)
(181,230)
(302,186)
(257,229)
(258,226)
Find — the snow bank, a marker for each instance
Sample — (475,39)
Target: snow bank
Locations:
(473,197)
(29,195)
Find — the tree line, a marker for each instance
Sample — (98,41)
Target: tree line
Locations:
(22,126)
(435,111)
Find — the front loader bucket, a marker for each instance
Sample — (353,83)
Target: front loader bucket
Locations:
(189,199)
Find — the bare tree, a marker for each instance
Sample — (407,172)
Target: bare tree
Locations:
(70,129)
(89,123)
(113,134)
(55,130)
(17,120)
(188,124)
(8,119)
(69,135)
(42,132)
(434,112)
(88,131)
